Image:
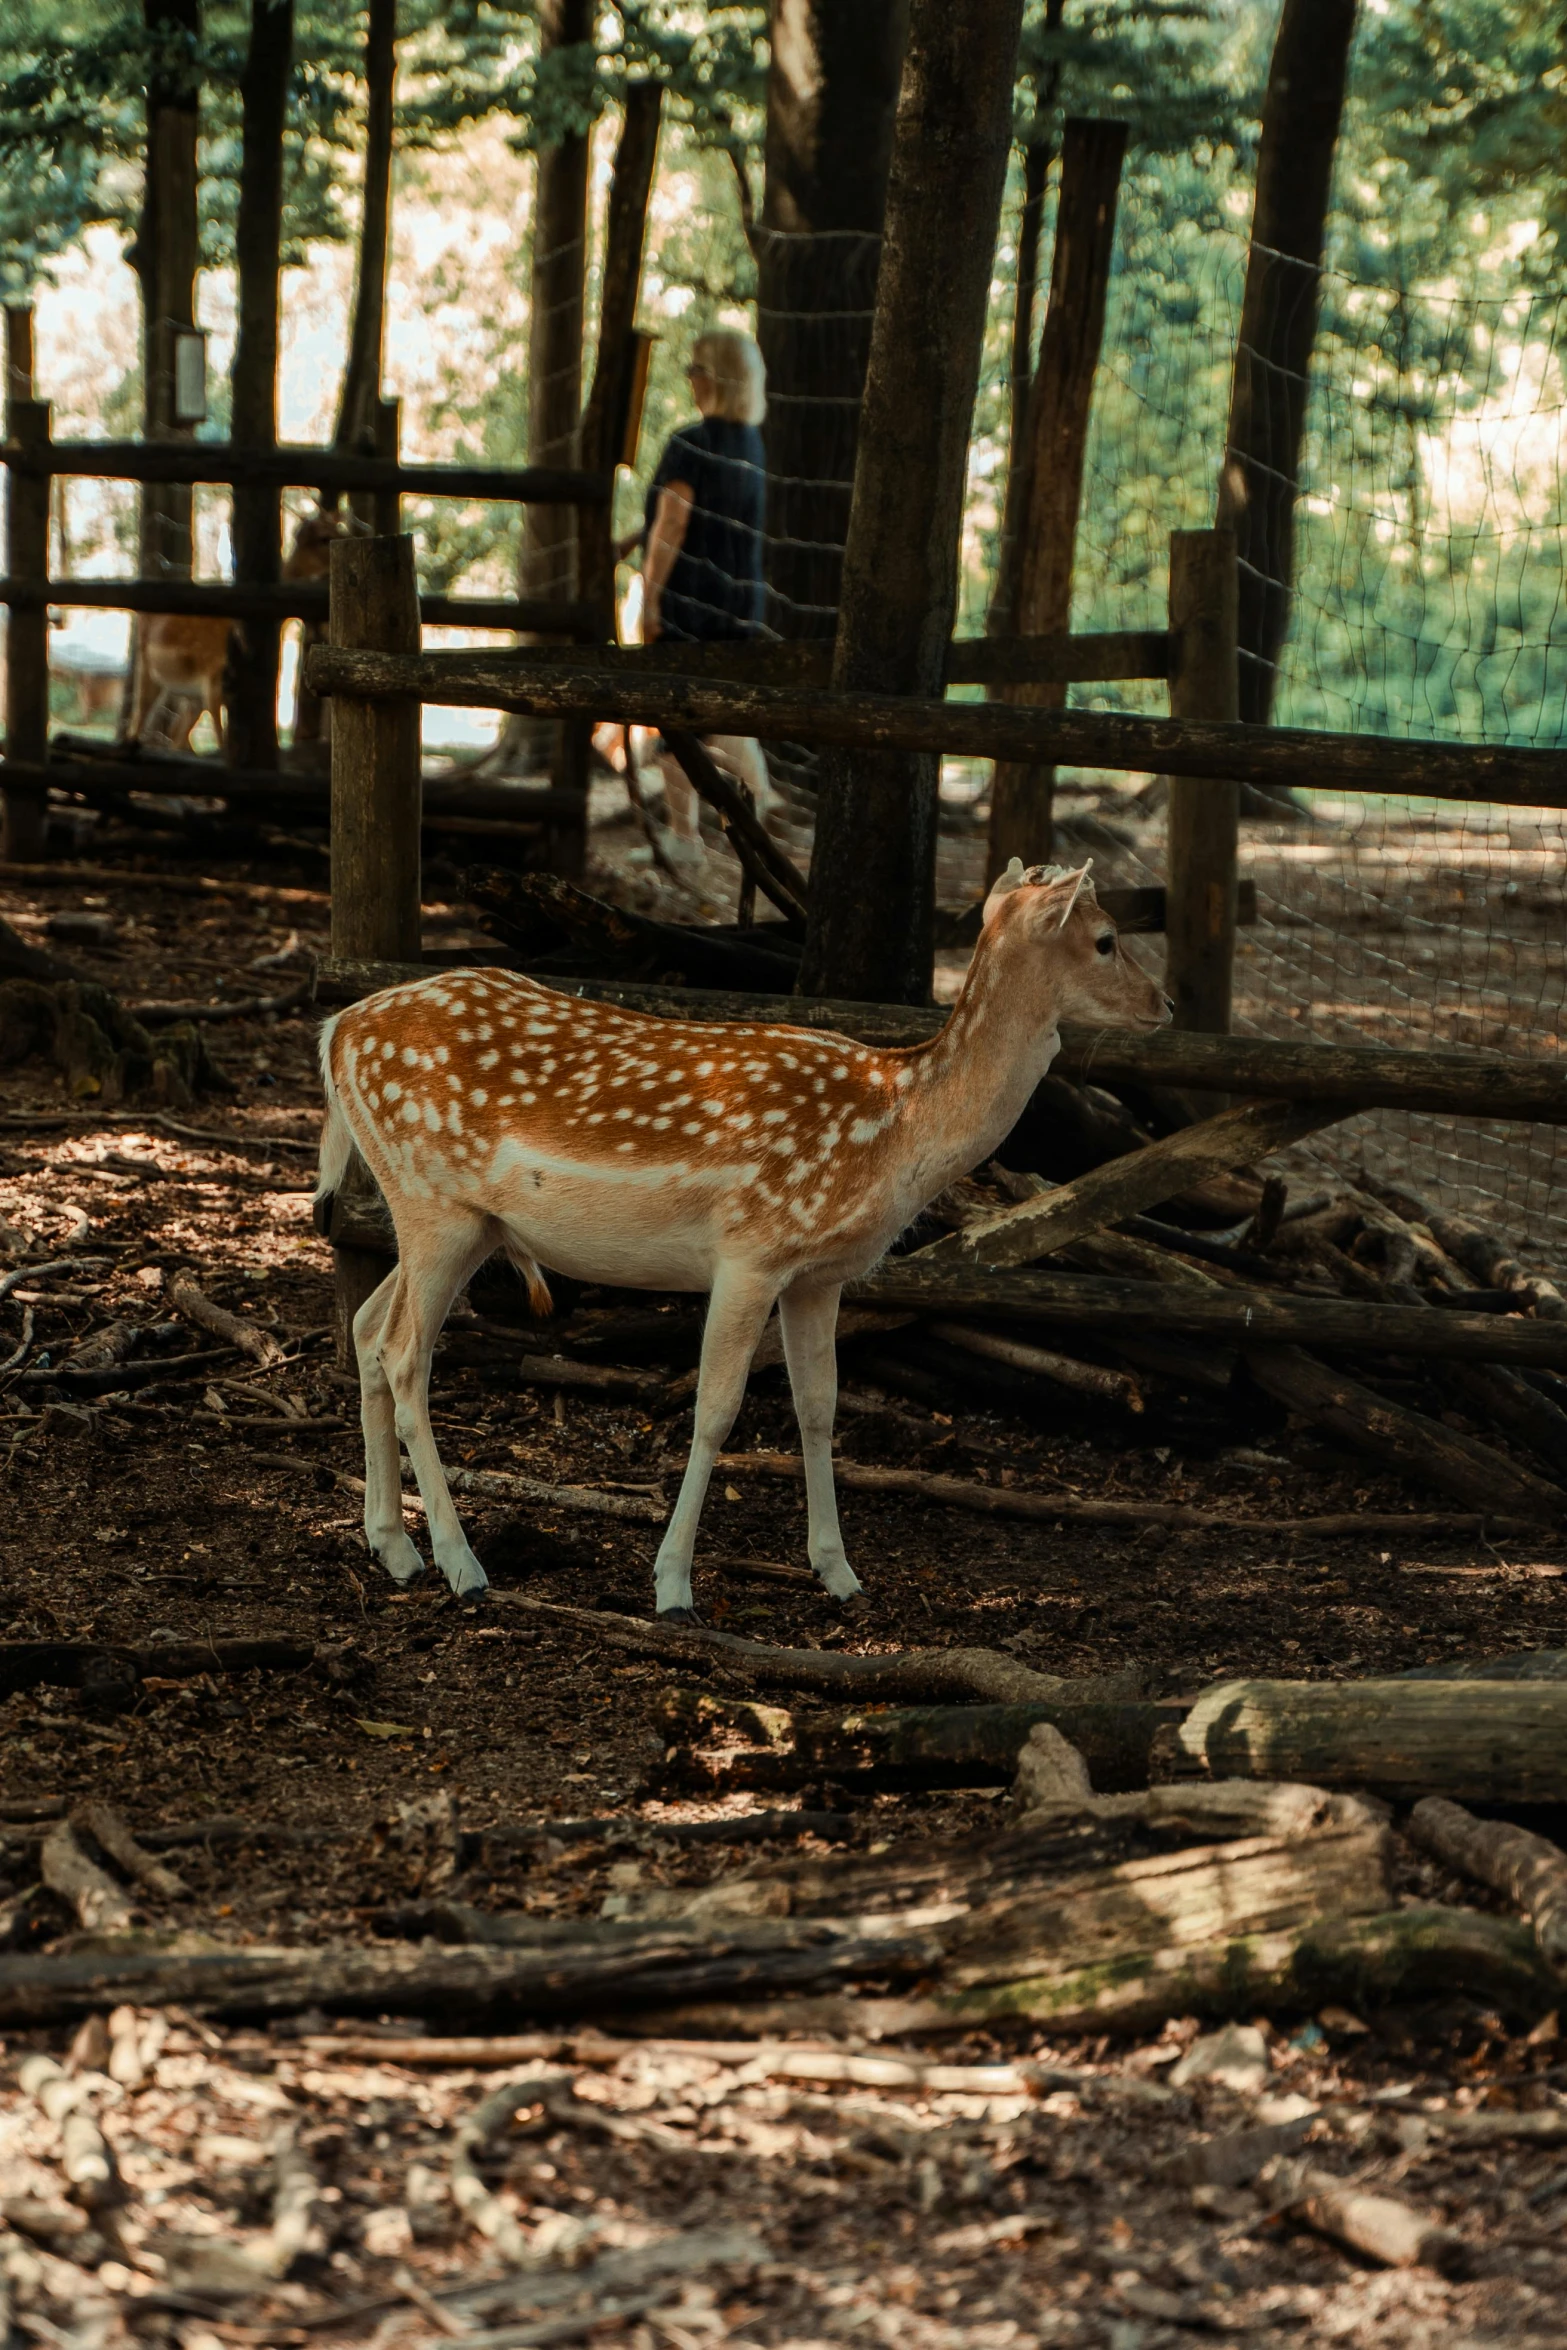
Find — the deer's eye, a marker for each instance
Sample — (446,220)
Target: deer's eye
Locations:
(1104,944)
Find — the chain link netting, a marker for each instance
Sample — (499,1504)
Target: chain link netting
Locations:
(1428,600)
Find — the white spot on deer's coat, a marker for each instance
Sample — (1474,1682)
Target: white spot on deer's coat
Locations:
(478,1097)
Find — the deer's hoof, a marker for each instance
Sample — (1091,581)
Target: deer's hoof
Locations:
(857,1603)
(679,1615)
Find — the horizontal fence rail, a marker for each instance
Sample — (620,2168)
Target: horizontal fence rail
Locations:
(1099,658)
(302,599)
(306,468)
(1218,750)
(1366,1077)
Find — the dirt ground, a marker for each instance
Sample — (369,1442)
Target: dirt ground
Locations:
(209,1507)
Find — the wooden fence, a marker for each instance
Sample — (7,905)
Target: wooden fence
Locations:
(379,681)
(33,459)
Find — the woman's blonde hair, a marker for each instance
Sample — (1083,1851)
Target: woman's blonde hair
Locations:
(738,371)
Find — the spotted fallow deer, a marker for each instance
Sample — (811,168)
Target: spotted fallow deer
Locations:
(764,1164)
(183,656)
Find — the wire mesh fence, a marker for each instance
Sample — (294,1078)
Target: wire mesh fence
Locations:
(1430,564)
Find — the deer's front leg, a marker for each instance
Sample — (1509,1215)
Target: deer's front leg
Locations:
(808,1314)
(736,1315)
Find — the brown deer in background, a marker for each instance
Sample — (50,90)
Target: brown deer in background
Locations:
(182,659)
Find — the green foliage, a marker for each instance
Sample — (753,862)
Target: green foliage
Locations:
(479,58)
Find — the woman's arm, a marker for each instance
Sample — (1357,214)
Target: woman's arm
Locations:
(664,542)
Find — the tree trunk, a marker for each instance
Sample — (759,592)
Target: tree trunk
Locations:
(832,90)
(1037,591)
(1037,154)
(361,391)
(367,332)
(546,564)
(873,884)
(166,255)
(252,728)
(560,231)
(604,418)
(1278,326)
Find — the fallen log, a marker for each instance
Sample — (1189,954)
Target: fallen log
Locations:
(1528,1664)
(1090,1379)
(101,1666)
(1418,1447)
(233,1329)
(1478,1741)
(112,1835)
(1141,1179)
(1111,1307)
(480,2207)
(156,1011)
(1491,1391)
(1380,2226)
(100,1903)
(1528,1869)
(931,1674)
(973,1745)
(1481,1252)
(1067,1509)
(580,1967)
(956,1875)
(1384,1960)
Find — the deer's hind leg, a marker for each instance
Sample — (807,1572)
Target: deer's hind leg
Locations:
(433,1267)
(808,1317)
(386,1537)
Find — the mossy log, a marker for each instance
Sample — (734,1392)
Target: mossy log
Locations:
(1390,1958)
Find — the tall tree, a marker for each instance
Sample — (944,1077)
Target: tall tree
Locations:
(1038,149)
(560,260)
(252,740)
(1044,492)
(873,873)
(166,255)
(1259,483)
(367,329)
(832,90)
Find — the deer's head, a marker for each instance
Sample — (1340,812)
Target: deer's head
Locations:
(1051,917)
(311,553)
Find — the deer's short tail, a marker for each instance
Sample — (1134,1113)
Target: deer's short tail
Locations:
(337,1141)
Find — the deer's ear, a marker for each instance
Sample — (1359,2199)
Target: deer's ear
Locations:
(1001,888)
(1082,887)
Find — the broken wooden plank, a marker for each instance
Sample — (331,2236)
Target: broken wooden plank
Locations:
(1142,1179)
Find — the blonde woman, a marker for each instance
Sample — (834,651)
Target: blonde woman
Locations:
(702,573)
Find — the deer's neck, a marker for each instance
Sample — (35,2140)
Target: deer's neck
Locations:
(980,1071)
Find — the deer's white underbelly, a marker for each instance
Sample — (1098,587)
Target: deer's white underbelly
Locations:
(648,1227)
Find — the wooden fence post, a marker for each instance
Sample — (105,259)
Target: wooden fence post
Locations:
(376,796)
(1204,817)
(27,624)
(386,506)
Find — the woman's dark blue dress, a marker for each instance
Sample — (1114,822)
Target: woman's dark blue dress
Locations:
(715,587)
